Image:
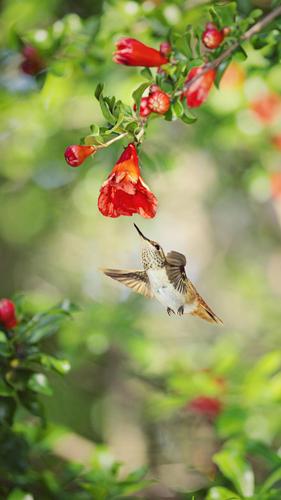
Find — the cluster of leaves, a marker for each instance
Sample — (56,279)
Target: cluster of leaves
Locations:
(28,465)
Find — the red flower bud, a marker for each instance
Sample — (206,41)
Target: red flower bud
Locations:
(131,52)
(154,88)
(7,314)
(205,405)
(124,192)
(32,63)
(165,49)
(226,31)
(212,36)
(198,92)
(159,102)
(75,155)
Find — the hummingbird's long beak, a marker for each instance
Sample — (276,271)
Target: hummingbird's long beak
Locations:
(140,233)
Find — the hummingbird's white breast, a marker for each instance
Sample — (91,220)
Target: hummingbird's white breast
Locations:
(163,290)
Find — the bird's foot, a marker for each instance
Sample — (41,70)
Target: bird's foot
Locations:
(180,310)
(170,311)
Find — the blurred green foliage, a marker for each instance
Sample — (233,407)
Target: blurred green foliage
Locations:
(134,372)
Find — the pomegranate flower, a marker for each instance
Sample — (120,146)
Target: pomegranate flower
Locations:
(124,192)
(7,314)
(158,102)
(206,405)
(131,52)
(32,63)
(198,92)
(75,155)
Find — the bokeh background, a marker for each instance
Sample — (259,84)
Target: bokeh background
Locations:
(135,371)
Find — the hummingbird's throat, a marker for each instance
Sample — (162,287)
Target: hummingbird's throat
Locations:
(151,258)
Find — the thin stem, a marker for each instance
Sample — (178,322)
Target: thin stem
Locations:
(256,28)
(115,139)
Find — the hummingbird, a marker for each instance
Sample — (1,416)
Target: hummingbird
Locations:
(164,278)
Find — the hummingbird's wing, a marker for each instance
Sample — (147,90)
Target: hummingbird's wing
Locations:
(175,269)
(176,273)
(137,280)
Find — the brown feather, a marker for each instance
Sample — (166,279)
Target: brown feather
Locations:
(136,280)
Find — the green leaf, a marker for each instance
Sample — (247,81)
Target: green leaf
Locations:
(5,390)
(221,493)
(236,469)
(38,382)
(137,94)
(99,90)
(105,110)
(188,118)
(95,130)
(178,108)
(18,494)
(3,338)
(271,480)
(220,71)
(146,72)
(240,54)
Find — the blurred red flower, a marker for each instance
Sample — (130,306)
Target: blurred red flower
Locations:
(124,192)
(276,141)
(131,52)
(267,107)
(205,405)
(7,314)
(75,155)
(32,63)
(198,92)
(233,76)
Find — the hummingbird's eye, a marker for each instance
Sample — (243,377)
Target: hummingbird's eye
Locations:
(157,246)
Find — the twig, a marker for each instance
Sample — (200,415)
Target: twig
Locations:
(256,28)
(106,144)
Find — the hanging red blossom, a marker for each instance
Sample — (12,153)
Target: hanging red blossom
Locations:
(7,314)
(131,52)
(206,405)
(32,63)
(144,109)
(75,155)
(198,92)
(124,192)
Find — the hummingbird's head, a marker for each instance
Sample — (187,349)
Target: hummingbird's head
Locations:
(153,255)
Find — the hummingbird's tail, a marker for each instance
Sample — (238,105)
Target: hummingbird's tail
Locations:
(203,311)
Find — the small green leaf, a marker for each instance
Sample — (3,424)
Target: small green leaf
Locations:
(240,54)
(220,71)
(38,382)
(95,130)
(18,494)
(178,108)
(62,366)
(146,72)
(271,480)
(3,338)
(188,118)
(221,493)
(105,110)
(137,94)
(99,90)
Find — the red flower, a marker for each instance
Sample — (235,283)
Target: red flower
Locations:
(124,192)
(159,102)
(144,109)
(198,92)
(33,62)
(206,405)
(267,107)
(134,53)
(7,314)
(275,181)
(75,155)
(212,36)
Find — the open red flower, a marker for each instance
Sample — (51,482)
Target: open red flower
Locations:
(7,314)
(124,192)
(198,92)
(75,155)
(134,53)
(206,405)
(32,63)
(158,102)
